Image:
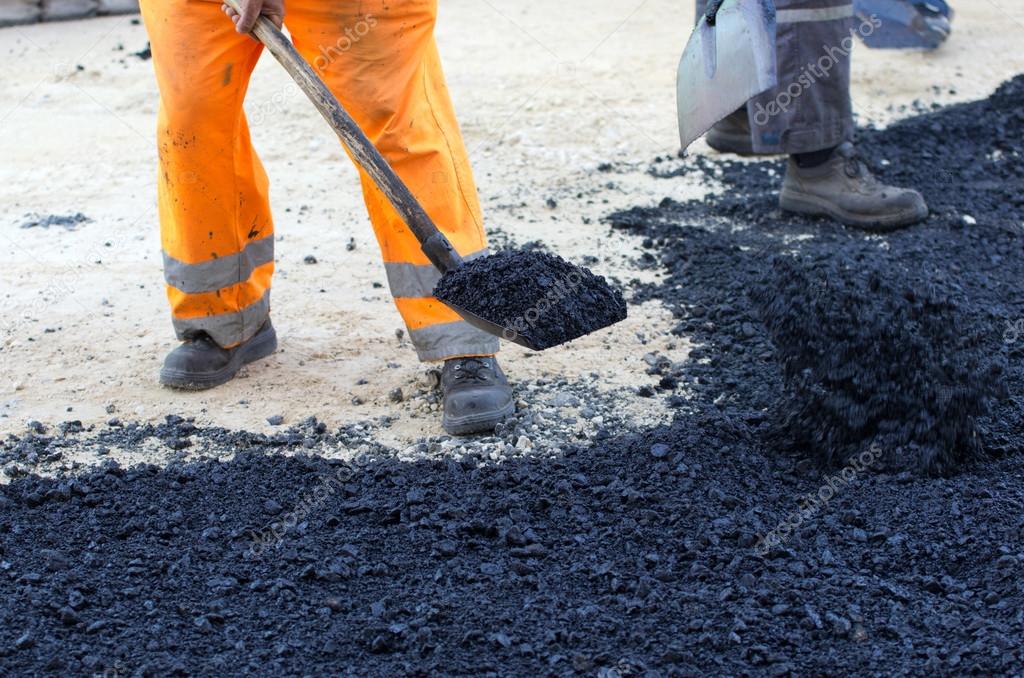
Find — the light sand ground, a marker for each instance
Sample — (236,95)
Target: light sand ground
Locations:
(546,92)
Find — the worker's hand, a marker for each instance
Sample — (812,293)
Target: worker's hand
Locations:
(252,9)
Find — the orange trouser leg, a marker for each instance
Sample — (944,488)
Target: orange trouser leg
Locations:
(215,224)
(379,58)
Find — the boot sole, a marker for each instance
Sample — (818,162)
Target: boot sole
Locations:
(260,346)
(811,205)
(477,423)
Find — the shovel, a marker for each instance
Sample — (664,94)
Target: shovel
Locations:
(729,58)
(584,305)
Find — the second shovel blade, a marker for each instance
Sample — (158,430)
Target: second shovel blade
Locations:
(724,65)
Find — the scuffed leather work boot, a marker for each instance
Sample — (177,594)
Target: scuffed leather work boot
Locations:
(731,134)
(199,363)
(843,188)
(476,395)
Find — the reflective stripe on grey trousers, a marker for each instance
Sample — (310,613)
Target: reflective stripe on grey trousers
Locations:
(436,342)
(216,274)
(810,108)
(227,329)
(446,340)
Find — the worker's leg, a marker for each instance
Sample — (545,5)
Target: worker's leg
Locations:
(215,224)
(810,108)
(379,58)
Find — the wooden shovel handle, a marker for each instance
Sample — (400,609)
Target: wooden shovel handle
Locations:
(434,243)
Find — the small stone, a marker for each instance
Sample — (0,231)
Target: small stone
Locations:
(25,641)
(12,470)
(275,420)
(75,599)
(351,244)
(524,443)
(968,220)
(659,450)
(272,507)
(68,616)
(563,399)
(309,259)
(1006,562)
(396,396)
(54,561)
(111,408)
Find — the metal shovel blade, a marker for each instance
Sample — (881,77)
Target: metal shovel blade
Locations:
(725,64)
(506,333)
(903,24)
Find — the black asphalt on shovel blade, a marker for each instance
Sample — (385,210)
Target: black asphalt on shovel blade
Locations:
(533,294)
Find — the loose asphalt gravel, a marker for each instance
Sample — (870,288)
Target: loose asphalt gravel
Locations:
(752,536)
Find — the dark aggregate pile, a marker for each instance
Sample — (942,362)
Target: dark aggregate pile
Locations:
(639,554)
(711,546)
(871,360)
(534,294)
(963,267)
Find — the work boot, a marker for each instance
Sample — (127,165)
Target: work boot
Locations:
(199,363)
(843,188)
(476,395)
(731,134)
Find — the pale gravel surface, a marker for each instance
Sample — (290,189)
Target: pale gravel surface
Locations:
(547,92)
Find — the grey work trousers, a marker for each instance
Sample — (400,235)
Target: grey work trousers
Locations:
(810,108)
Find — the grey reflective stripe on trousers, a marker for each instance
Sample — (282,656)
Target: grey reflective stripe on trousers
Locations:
(810,109)
(216,274)
(228,329)
(450,340)
(796,16)
(417,280)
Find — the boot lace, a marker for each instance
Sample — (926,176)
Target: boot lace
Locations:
(477,370)
(854,166)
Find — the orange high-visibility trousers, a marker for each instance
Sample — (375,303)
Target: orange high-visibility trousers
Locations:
(379,59)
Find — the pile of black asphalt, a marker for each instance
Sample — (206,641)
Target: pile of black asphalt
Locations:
(534,294)
(911,340)
(723,543)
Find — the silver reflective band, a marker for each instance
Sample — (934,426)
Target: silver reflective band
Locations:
(228,329)
(415,280)
(796,16)
(448,340)
(411,280)
(219,273)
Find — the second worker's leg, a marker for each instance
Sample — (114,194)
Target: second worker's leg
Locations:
(809,117)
